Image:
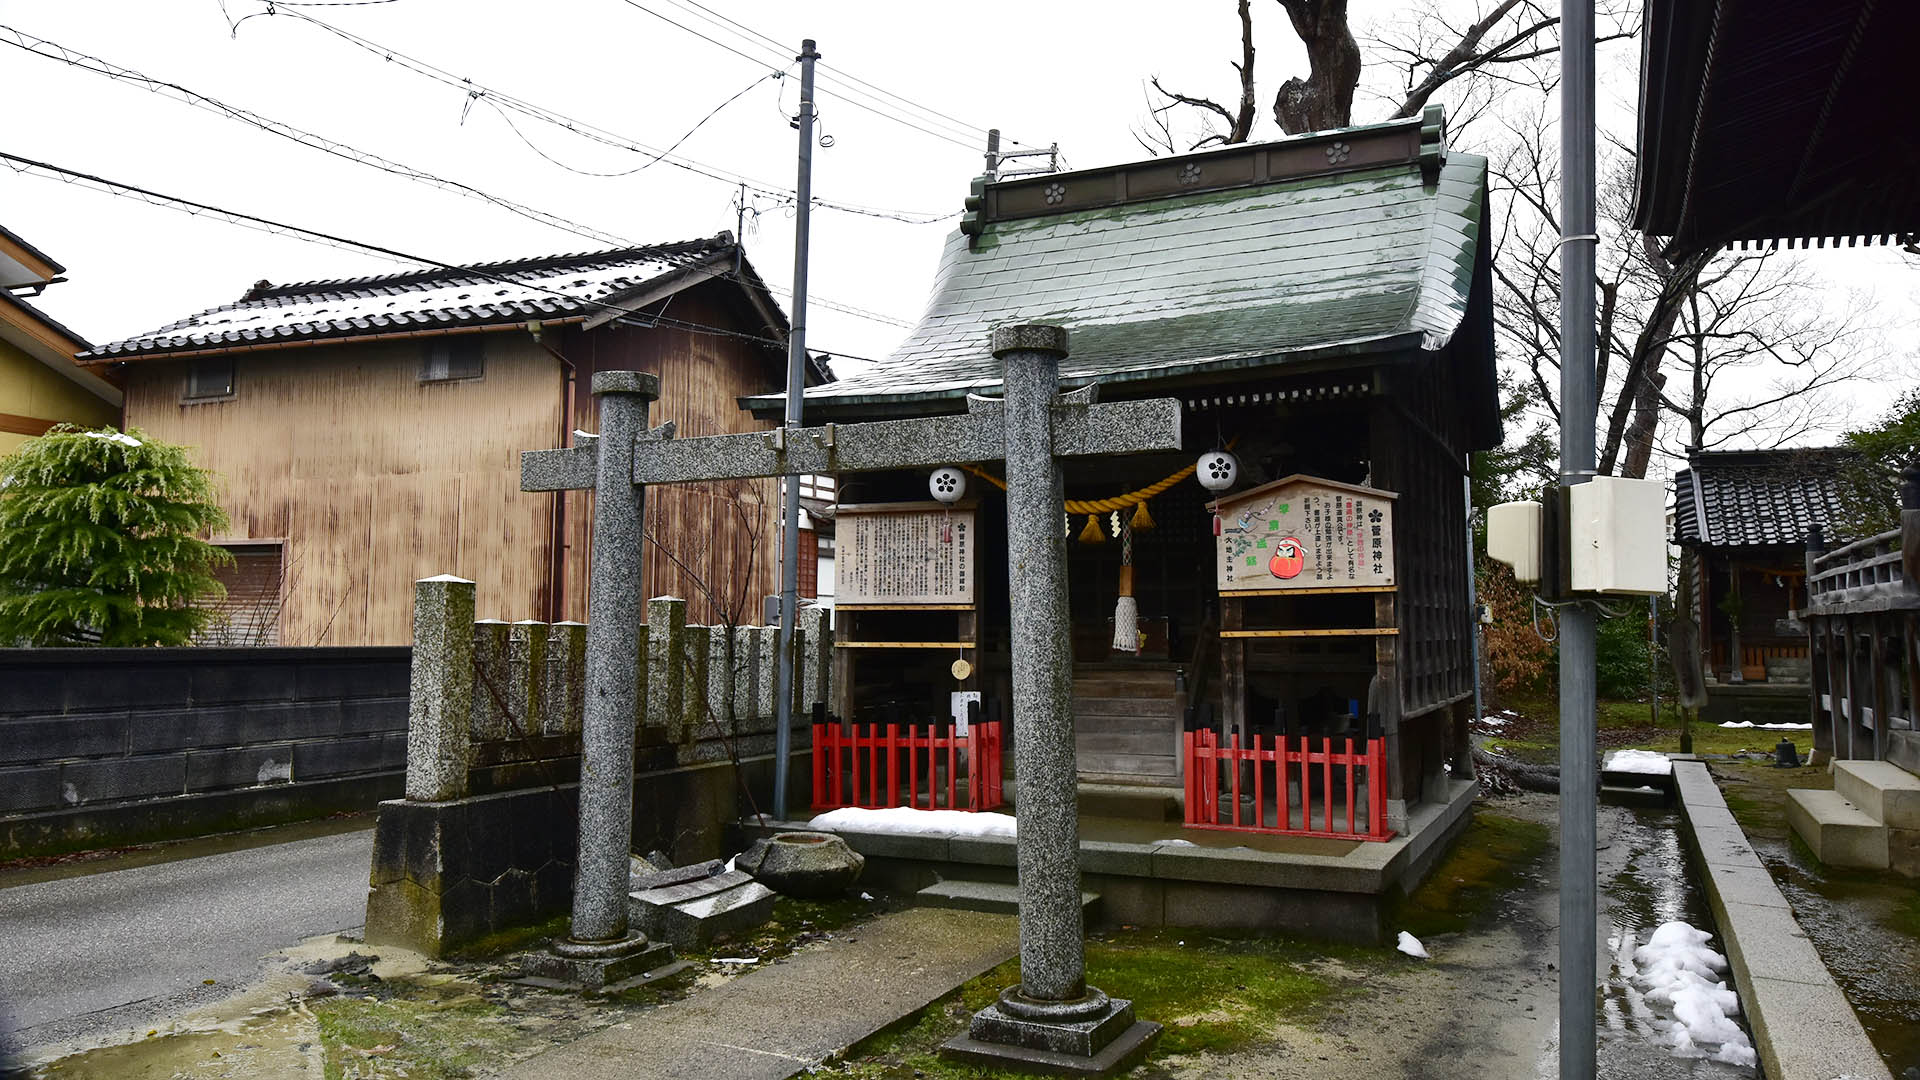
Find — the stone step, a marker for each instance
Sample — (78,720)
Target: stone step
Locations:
(989,896)
(1888,793)
(1840,833)
(1147,802)
(1640,795)
(1903,749)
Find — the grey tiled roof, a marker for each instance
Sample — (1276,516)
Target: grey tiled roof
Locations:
(1754,498)
(1363,260)
(541,288)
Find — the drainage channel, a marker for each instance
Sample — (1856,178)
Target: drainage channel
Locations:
(1646,883)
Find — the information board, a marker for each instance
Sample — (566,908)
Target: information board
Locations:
(1304,533)
(903,553)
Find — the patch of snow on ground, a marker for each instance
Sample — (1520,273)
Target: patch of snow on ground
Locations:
(1679,972)
(907,821)
(1767,727)
(1645,762)
(1412,947)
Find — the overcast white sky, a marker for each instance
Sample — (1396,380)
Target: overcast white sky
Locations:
(1070,72)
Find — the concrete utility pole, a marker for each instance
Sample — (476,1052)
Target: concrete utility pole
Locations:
(796,389)
(1578,779)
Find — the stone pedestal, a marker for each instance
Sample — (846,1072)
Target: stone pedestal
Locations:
(612,965)
(1090,1036)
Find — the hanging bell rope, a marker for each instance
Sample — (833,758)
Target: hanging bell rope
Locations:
(1126,610)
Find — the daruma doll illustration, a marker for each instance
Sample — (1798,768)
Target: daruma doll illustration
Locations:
(1287,560)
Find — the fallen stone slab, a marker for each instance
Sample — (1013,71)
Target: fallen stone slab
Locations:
(694,914)
(784,1018)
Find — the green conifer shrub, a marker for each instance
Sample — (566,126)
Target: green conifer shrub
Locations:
(100,541)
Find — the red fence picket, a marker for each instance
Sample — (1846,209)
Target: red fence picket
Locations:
(864,767)
(1276,763)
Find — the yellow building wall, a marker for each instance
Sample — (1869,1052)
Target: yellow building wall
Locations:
(31,393)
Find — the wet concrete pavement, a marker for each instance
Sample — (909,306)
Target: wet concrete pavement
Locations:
(118,948)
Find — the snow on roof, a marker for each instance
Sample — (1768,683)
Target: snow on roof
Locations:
(477,295)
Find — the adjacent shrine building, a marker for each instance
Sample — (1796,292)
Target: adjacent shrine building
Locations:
(1321,308)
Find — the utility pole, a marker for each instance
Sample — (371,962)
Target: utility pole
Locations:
(796,388)
(1578,779)
(993,153)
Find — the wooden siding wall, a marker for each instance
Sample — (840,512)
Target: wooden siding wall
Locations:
(374,478)
(716,543)
(1436,630)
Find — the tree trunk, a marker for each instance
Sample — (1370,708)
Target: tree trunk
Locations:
(1324,99)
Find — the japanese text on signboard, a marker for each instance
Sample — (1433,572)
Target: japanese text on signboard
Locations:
(1303,534)
(910,556)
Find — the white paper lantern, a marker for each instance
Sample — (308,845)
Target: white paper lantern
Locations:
(1217,470)
(948,484)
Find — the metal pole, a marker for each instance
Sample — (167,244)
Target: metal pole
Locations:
(1578,770)
(1473,603)
(796,388)
(993,153)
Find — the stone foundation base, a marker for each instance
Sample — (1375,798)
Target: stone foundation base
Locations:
(598,966)
(1095,1036)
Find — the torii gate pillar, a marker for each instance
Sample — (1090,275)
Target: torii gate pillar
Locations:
(1053,1019)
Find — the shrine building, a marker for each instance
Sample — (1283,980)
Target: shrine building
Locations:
(1272,629)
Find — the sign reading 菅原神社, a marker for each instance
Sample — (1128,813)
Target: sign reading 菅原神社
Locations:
(1304,533)
(903,553)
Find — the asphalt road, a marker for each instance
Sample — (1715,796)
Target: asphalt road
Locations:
(120,947)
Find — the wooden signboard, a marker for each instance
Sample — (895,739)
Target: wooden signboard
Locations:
(1304,533)
(903,553)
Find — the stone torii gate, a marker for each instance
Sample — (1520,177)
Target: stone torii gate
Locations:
(1052,1012)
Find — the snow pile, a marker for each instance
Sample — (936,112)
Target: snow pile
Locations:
(113,437)
(1412,947)
(906,821)
(1679,972)
(1768,727)
(1643,762)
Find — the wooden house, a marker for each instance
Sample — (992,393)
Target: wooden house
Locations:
(367,431)
(1321,306)
(40,385)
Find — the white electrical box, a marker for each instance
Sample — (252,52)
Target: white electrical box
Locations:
(1513,537)
(1617,536)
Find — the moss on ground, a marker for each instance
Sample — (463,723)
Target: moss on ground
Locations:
(365,1037)
(1490,857)
(1214,994)
(1535,736)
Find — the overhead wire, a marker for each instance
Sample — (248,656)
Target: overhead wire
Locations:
(958,137)
(622,315)
(51,50)
(594,132)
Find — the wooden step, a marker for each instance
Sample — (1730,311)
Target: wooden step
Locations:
(1147,743)
(1886,792)
(1840,833)
(1156,766)
(1155,684)
(1167,705)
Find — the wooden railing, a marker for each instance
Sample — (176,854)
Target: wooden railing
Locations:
(1221,779)
(1859,569)
(865,766)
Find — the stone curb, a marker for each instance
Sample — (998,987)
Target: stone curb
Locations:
(1803,1027)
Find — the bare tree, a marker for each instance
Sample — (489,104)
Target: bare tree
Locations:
(1427,52)
(1747,330)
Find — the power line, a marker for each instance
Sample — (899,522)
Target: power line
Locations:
(117,187)
(974,131)
(945,137)
(176,92)
(53,51)
(594,132)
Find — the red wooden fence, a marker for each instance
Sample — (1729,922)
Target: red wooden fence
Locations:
(1214,770)
(867,766)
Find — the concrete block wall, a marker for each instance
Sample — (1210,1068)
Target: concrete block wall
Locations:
(94,743)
